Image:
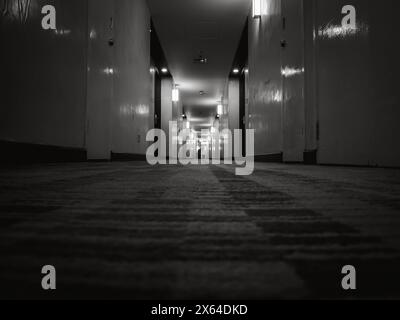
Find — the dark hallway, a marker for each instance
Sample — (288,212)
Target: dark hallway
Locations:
(199,149)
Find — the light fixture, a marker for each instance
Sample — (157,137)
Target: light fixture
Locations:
(256,9)
(236,71)
(201,59)
(220,109)
(175,94)
(187,124)
(164,70)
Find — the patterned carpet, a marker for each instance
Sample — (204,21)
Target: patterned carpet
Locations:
(128,230)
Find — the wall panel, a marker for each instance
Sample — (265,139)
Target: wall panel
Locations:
(133,110)
(265,81)
(43,74)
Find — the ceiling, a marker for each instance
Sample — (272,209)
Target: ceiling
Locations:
(187,28)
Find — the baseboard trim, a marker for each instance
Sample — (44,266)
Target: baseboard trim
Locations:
(127,157)
(277,157)
(27,153)
(365,166)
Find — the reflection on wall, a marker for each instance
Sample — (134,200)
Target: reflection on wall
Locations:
(332,31)
(16,9)
(288,72)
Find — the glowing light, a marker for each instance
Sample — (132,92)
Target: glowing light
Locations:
(175,95)
(236,71)
(220,109)
(164,70)
(256,9)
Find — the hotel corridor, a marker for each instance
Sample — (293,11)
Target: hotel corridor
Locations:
(128,230)
(199,150)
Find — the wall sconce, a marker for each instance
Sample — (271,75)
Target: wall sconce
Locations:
(175,94)
(256,9)
(220,109)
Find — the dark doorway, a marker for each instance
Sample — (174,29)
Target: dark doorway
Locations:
(242,110)
(157,100)
(240,63)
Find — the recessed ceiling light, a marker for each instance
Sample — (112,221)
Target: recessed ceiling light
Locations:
(164,70)
(236,70)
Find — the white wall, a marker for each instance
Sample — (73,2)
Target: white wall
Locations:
(56,95)
(348,89)
(265,81)
(357,77)
(99,79)
(133,111)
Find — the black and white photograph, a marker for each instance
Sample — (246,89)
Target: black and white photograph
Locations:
(214,153)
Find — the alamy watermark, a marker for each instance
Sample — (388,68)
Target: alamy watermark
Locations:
(187,146)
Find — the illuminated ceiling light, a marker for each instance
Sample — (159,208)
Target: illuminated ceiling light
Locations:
(236,71)
(256,9)
(188,124)
(220,109)
(164,70)
(152,70)
(175,94)
(246,70)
